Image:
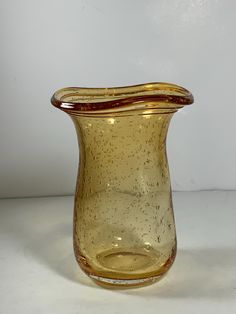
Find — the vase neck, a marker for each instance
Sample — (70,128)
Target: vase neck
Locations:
(114,150)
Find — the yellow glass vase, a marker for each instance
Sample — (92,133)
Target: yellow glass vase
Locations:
(124,229)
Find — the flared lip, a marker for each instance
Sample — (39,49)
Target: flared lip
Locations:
(156,95)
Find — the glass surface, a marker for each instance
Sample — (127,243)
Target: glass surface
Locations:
(124,229)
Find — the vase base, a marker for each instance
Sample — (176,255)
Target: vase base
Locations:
(128,268)
(131,260)
(124,284)
(128,260)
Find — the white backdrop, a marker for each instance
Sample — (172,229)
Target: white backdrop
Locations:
(49,44)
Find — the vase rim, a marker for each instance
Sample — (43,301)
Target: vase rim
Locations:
(155,95)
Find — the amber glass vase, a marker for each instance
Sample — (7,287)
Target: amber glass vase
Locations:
(124,229)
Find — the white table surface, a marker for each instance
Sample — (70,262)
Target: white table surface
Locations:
(38,272)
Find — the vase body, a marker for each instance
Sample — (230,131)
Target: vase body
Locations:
(124,229)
